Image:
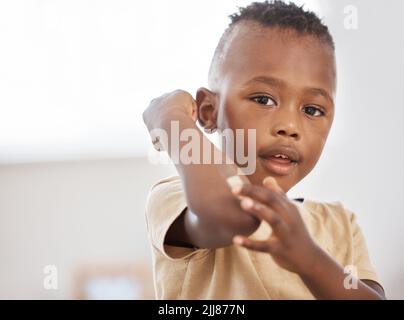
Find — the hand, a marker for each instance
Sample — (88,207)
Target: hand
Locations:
(290,243)
(178,100)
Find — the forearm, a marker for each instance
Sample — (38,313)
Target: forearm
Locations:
(206,190)
(325,280)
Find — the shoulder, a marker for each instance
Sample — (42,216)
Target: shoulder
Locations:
(165,190)
(328,209)
(332,215)
(165,203)
(166,187)
(167,182)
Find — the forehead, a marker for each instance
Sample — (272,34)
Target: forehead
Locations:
(297,60)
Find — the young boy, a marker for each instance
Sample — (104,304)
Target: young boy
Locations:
(273,71)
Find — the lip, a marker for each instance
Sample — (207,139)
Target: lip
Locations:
(280,166)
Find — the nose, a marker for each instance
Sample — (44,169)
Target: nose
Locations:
(288,132)
(286,126)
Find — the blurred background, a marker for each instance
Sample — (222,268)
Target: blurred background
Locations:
(75,164)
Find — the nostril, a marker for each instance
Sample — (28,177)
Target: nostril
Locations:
(282,132)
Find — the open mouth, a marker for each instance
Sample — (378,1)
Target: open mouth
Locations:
(279,164)
(280,159)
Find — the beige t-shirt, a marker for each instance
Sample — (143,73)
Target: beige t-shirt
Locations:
(235,272)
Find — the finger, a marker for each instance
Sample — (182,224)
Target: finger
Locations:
(262,246)
(271,183)
(265,213)
(237,188)
(272,199)
(194,112)
(235,182)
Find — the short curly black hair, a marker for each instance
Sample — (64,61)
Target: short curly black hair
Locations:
(274,13)
(284,15)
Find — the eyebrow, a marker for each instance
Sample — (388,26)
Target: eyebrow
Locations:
(280,83)
(321,92)
(267,80)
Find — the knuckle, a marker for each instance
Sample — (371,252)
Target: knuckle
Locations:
(270,195)
(272,248)
(246,189)
(287,244)
(259,207)
(248,243)
(274,220)
(264,248)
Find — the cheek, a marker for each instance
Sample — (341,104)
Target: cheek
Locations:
(314,141)
(224,116)
(235,115)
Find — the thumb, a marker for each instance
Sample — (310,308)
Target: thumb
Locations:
(270,183)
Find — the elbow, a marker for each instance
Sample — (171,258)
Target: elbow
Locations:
(235,220)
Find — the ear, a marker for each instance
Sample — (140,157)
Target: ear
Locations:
(207,105)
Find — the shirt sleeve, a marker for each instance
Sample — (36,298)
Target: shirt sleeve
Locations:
(166,201)
(361,260)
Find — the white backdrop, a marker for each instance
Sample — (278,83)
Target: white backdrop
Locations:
(75,77)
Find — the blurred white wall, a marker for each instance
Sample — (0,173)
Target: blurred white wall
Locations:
(71,214)
(75,78)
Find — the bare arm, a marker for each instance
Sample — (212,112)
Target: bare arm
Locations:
(292,247)
(325,280)
(213,215)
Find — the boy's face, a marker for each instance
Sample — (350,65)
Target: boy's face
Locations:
(282,85)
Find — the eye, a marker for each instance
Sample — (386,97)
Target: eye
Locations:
(264,100)
(313,111)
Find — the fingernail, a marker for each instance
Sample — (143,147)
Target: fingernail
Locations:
(234,181)
(247,203)
(238,240)
(267,179)
(236,188)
